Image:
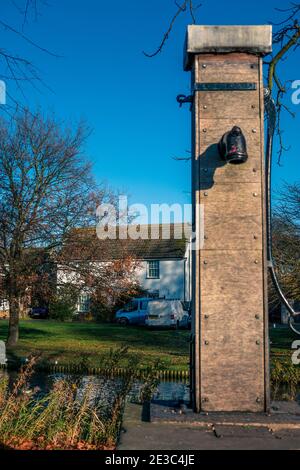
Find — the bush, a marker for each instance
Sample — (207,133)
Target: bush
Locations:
(101,312)
(60,310)
(63,305)
(285,379)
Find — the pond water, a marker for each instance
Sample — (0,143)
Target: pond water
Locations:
(43,382)
(107,388)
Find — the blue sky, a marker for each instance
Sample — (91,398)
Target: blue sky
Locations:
(126,98)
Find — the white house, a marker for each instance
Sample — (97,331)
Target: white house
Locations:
(163,259)
(165,266)
(163,263)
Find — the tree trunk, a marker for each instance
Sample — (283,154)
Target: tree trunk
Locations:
(13,329)
(23,310)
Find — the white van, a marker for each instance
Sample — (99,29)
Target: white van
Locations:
(166,313)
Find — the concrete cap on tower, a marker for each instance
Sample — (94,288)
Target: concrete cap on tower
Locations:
(222,39)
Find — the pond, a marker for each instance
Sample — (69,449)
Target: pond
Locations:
(42,383)
(105,389)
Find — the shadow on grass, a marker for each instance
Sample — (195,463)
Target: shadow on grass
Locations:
(17,357)
(282,338)
(131,335)
(90,343)
(32,333)
(28,331)
(102,332)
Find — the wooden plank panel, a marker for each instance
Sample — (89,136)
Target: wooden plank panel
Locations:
(224,58)
(250,172)
(231,316)
(213,167)
(229,388)
(237,232)
(223,105)
(227,68)
(232,216)
(211,131)
(228,283)
(229,199)
(231,279)
(232,359)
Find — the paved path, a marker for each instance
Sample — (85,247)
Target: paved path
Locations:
(195,433)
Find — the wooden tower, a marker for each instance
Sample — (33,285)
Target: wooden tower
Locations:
(230,356)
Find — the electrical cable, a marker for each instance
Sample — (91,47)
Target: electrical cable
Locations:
(271,114)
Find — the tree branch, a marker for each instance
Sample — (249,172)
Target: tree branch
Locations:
(181,8)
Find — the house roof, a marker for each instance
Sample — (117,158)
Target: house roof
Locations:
(155,242)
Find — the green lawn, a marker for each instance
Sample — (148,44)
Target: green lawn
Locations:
(70,343)
(282,338)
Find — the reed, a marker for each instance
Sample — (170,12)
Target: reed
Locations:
(64,418)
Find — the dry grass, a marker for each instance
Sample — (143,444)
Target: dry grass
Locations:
(64,418)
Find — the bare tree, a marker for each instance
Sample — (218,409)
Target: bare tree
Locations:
(15,67)
(286,242)
(187,6)
(46,190)
(286,40)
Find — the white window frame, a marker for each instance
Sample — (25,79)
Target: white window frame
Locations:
(153,272)
(84,305)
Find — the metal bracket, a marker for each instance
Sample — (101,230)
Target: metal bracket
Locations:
(225,86)
(181,99)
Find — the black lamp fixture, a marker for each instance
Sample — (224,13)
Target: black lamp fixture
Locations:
(233,147)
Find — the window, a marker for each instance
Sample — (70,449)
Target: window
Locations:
(132,306)
(144,304)
(153,269)
(154,294)
(84,303)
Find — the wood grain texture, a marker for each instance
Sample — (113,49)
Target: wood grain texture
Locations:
(244,104)
(232,233)
(212,129)
(196,347)
(232,361)
(229,281)
(232,217)
(265,262)
(227,68)
(210,132)
(230,320)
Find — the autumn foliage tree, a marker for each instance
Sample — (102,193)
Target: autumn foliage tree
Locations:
(102,268)
(46,190)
